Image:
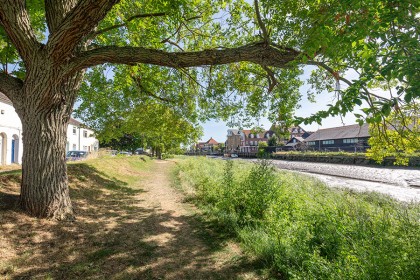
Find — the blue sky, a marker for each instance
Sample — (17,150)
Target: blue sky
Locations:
(218,129)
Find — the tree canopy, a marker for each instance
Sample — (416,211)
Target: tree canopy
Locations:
(193,60)
(376,39)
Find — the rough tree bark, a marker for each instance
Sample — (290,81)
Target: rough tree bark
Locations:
(45,114)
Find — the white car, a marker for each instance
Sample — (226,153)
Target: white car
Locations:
(234,155)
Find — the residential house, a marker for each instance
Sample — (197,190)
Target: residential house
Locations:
(208,146)
(79,137)
(10,133)
(234,140)
(245,140)
(346,138)
(294,131)
(294,142)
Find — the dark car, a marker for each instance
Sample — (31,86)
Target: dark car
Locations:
(140,151)
(76,155)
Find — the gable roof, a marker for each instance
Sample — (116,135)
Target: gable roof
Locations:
(341,132)
(212,141)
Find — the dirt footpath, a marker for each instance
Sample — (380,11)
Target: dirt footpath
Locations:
(131,224)
(181,251)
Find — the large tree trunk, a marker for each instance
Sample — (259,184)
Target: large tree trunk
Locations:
(45,113)
(44,189)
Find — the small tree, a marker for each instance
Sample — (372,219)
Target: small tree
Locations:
(272,141)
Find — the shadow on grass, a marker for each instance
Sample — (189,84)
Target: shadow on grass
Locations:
(115,236)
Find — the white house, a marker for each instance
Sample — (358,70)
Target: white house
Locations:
(79,137)
(10,133)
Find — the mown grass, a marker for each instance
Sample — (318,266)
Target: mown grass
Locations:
(301,228)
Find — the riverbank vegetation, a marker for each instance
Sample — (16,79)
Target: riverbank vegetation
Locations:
(300,228)
(369,158)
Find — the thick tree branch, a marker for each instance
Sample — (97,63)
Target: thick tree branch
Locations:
(259,53)
(330,70)
(99,32)
(15,20)
(78,23)
(56,11)
(10,85)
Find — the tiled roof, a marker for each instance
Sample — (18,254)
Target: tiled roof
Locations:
(341,132)
(5,99)
(212,141)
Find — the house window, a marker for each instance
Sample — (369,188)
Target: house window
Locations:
(85,134)
(74,147)
(250,136)
(350,140)
(327,142)
(258,136)
(74,130)
(2,112)
(84,148)
(311,143)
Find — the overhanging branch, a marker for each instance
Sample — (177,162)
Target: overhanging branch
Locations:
(258,53)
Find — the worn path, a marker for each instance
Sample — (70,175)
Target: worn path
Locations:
(131,224)
(181,248)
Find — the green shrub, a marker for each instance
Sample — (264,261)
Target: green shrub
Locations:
(303,229)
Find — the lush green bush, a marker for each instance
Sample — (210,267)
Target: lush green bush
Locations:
(303,229)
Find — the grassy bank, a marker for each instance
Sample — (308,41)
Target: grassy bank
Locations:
(302,229)
(130,224)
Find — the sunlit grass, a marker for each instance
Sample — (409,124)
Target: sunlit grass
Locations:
(301,228)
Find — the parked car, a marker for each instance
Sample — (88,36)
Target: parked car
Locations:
(113,152)
(76,155)
(140,151)
(125,153)
(234,155)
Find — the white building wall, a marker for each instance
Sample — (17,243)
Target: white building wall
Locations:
(10,135)
(81,139)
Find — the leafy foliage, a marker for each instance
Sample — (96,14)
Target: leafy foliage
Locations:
(304,230)
(119,107)
(272,141)
(376,41)
(398,135)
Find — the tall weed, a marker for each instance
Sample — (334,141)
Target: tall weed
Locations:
(303,229)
